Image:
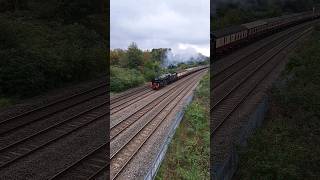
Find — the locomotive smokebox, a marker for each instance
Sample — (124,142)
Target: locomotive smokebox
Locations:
(163,80)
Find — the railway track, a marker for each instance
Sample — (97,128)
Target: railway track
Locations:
(221,74)
(240,86)
(122,125)
(22,120)
(121,156)
(24,146)
(42,112)
(30,144)
(90,167)
(234,97)
(118,106)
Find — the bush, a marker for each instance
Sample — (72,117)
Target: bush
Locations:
(5,102)
(35,57)
(124,78)
(189,152)
(287,147)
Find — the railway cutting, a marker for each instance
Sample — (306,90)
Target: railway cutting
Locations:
(243,77)
(140,128)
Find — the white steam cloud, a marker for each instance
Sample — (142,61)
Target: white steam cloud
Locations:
(174,57)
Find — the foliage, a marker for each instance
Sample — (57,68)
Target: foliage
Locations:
(137,62)
(124,78)
(148,63)
(238,12)
(4,102)
(37,55)
(232,15)
(188,154)
(288,146)
(134,56)
(159,54)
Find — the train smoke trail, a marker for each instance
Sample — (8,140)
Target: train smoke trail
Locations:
(174,57)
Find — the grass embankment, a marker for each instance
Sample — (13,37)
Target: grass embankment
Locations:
(188,154)
(288,145)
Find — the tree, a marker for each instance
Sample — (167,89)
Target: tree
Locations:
(116,55)
(13,5)
(159,54)
(135,56)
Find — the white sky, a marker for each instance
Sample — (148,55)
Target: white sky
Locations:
(177,24)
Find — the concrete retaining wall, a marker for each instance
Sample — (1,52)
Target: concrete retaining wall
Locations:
(226,169)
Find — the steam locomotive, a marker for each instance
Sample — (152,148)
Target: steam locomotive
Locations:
(169,78)
(163,80)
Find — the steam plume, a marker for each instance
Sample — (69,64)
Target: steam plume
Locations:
(182,56)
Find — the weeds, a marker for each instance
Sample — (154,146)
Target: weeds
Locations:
(188,154)
(288,146)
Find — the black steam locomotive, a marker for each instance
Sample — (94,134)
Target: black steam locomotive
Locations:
(163,80)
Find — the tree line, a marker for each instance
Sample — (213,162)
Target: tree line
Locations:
(133,66)
(46,44)
(229,13)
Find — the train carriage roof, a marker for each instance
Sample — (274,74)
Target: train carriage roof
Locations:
(254,24)
(288,16)
(274,19)
(228,31)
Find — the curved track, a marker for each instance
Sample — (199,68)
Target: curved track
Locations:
(161,109)
(224,72)
(240,86)
(119,127)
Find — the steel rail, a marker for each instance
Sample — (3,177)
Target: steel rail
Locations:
(186,89)
(53,140)
(215,129)
(252,56)
(132,118)
(89,155)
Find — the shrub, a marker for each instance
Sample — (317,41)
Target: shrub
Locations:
(35,57)
(124,78)
(5,102)
(285,147)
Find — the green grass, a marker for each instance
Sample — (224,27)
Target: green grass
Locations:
(288,145)
(188,154)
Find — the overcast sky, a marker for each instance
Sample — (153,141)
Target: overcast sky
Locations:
(183,25)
